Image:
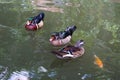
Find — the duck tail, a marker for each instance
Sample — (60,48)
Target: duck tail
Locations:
(56,53)
(38,18)
(41,15)
(70,30)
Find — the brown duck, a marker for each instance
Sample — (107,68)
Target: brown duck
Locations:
(71,51)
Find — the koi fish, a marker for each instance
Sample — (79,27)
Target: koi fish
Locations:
(98,61)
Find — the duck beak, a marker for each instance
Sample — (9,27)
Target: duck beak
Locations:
(51,39)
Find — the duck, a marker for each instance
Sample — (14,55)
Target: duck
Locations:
(35,23)
(62,37)
(71,51)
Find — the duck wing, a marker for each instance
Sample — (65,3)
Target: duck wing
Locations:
(67,32)
(66,48)
(59,53)
(62,34)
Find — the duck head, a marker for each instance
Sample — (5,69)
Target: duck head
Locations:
(52,38)
(79,43)
(29,20)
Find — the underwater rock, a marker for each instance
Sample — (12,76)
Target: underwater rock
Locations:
(22,75)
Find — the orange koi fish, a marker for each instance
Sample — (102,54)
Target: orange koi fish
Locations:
(98,61)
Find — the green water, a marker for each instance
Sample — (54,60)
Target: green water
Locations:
(97,24)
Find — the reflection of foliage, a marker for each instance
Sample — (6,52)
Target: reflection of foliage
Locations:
(102,75)
(2,54)
(23,5)
(6,1)
(18,35)
(112,28)
(96,17)
(19,5)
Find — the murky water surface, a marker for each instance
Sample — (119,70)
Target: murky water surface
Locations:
(27,54)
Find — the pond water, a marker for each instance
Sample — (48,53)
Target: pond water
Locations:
(28,53)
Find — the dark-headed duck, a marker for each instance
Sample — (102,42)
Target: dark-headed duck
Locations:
(36,22)
(62,37)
